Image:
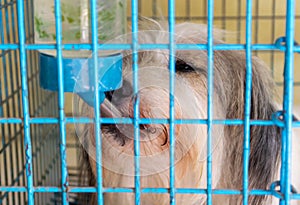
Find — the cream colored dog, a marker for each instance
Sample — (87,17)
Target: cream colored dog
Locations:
(191,139)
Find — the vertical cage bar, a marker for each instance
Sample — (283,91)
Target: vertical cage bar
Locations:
(98,137)
(210,91)
(288,102)
(172,50)
(19,73)
(134,29)
(247,101)
(32,68)
(27,140)
(32,103)
(61,101)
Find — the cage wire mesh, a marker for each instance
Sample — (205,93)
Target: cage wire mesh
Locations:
(268,24)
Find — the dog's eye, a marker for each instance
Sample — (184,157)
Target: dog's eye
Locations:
(182,66)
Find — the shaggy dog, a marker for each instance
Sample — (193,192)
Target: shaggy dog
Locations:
(190,102)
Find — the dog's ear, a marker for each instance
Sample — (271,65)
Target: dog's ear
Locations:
(265,140)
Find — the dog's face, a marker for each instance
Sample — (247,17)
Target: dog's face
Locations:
(190,102)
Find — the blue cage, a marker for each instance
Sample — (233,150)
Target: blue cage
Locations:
(39,148)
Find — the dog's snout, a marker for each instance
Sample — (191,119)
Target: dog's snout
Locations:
(121,93)
(126,89)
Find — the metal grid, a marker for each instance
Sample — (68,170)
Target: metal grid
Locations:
(27,152)
(34,159)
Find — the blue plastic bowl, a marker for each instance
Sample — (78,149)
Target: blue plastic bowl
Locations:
(79,75)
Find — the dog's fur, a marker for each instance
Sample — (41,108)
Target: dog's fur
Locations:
(190,167)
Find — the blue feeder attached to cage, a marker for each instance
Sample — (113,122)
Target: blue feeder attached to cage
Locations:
(79,75)
(76,29)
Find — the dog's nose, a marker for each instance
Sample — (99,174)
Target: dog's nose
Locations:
(109,95)
(123,92)
(126,89)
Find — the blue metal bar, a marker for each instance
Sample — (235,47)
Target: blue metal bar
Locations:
(70,120)
(27,140)
(33,84)
(172,53)
(33,92)
(72,189)
(97,125)
(247,100)
(258,47)
(13,189)
(136,117)
(285,179)
(210,91)
(10,120)
(61,101)
(9,46)
(295,196)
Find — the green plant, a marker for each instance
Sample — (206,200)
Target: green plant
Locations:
(71,15)
(39,28)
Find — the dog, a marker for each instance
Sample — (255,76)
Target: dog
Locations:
(190,102)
